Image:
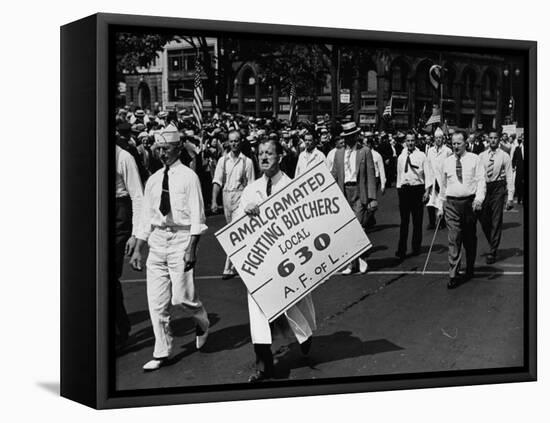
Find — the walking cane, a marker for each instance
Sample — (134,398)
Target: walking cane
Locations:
(433,240)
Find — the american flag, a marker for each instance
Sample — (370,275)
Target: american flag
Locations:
(198,94)
(292,111)
(388,109)
(435,117)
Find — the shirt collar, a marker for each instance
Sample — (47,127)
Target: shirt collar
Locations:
(175,165)
(275,178)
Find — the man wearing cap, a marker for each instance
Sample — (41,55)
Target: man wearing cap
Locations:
(300,318)
(171,222)
(436,156)
(233,173)
(353,170)
(412,190)
(462,194)
(500,186)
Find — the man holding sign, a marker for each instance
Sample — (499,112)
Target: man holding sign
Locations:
(301,317)
(291,236)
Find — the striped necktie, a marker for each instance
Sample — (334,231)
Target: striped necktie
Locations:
(347,161)
(459,169)
(491,167)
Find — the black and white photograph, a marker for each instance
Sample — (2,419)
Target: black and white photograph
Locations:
(292,210)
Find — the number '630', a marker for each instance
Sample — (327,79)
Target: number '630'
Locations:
(286,267)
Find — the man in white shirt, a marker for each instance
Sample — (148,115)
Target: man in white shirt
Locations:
(462,194)
(436,156)
(500,186)
(338,144)
(233,173)
(129,195)
(412,173)
(171,222)
(380,174)
(300,318)
(310,156)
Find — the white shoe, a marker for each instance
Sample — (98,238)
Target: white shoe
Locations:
(363,266)
(154,364)
(347,271)
(200,340)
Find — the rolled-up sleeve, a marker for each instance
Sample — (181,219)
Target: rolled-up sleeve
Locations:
(196,207)
(144,223)
(480,180)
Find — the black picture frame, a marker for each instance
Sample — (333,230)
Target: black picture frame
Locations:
(86,366)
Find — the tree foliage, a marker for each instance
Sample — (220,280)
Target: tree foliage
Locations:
(138,50)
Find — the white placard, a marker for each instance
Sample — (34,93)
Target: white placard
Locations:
(304,234)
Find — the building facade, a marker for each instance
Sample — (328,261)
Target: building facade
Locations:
(479,91)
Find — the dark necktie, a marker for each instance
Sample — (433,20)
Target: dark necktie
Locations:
(459,169)
(409,164)
(268,188)
(165,196)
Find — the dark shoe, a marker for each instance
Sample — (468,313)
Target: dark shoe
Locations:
(430,227)
(400,255)
(453,283)
(416,252)
(258,376)
(305,346)
(469,274)
(490,259)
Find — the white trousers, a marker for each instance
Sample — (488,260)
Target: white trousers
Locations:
(168,285)
(300,318)
(231,201)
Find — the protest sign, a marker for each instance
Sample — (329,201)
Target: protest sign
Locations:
(509,129)
(304,234)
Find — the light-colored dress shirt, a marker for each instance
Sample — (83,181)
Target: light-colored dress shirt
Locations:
(417,175)
(128,183)
(186,204)
(436,157)
(238,171)
(473,177)
(379,170)
(502,169)
(330,158)
(350,164)
(307,160)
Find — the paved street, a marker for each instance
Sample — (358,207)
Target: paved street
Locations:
(391,320)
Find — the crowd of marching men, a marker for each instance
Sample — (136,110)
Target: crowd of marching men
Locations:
(203,148)
(463,178)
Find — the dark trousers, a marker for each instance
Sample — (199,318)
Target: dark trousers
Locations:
(264,358)
(123,231)
(491,214)
(351,193)
(461,229)
(410,205)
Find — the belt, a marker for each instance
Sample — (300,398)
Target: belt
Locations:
(498,181)
(469,197)
(350,184)
(174,228)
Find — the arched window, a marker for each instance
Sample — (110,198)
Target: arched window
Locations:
(468,81)
(489,86)
(248,80)
(372,81)
(423,86)
(449,75)
(399,71)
